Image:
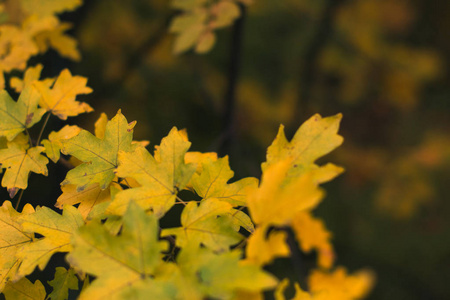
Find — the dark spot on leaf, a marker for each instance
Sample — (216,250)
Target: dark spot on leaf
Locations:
(12,192)
(29,118)
(295,166)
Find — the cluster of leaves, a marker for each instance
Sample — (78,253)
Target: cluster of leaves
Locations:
(113,199)
(198,19)
(29,27)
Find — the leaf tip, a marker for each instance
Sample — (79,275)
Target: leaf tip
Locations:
(13,192)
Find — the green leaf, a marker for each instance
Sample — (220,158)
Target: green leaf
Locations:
(99,155)
(24,290)
(15,117)
(57,231)
(63,281)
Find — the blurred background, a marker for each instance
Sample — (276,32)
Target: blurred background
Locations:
(382,63)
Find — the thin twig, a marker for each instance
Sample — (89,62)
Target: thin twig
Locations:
(18,200)
(42,129)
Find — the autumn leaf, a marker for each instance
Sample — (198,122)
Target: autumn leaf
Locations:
(212,183)
(53,144)
(314,139)
(263,248)
(19,162)
(219,276)
(17,116)
(161,176)
(126,262)
(340,285)
(312,234)
(99,156)
(276,202)
(31,74)
(88,198)
(299,293)
(44,8)
(56,38)
(56,230)
(60,98)
(12,237)
(203,225)
(63,281)
(24,289)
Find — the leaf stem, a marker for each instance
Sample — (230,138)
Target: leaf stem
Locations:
(43,127)
(18,200)
(181,201)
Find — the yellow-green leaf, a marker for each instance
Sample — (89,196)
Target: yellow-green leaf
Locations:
(126,262)
(12,237)
(31,74)
(203,224)
(212,183)
(60,99)
(56,230)
(160,176)
(44,8)
(88,198)
(99,156)
(54,143)
(15,117)
(219,276)
(24,289)
(19,163)
(314,139)
(63,281)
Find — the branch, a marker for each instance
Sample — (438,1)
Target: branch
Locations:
(233,74)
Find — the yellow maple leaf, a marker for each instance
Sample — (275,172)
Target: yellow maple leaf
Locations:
(339,285)
(203,225)
(31,74)
(161,176)
(276,202)
(44,8)
(299,293)
(60,98)
(24,289)
(127,262)
(53,144)
(64,44)
(211,183)
(312,234)
(88,198)
(220,276)
(261,250)
(315,138)
(17,116)
(99,156)
(19,162)
(12,238)
(57,232)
